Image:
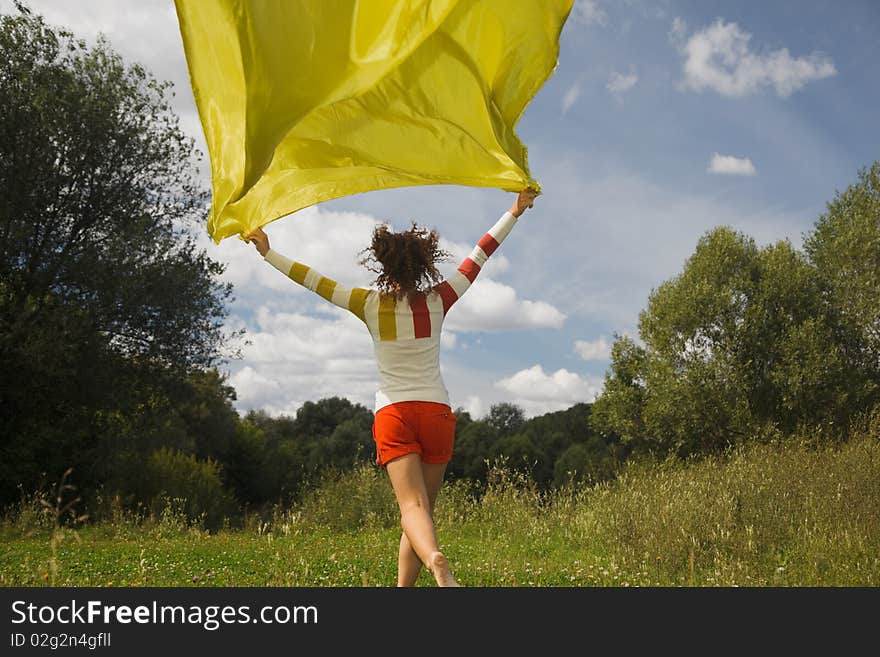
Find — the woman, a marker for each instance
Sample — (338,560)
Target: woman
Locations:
(414,426)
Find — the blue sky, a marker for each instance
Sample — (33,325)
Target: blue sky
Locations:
(663,120)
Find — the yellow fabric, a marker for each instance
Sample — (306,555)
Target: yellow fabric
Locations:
(303,101)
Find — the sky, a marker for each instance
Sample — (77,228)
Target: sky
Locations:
(662,120)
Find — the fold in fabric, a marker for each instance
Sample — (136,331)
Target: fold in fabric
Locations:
(304,101)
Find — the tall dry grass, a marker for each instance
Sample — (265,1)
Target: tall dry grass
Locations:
(788,512)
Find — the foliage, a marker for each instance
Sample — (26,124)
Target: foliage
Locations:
(506,417)
(750,341)
(169,474)
(533,446)
(844,246)
(361,497)
(107,308)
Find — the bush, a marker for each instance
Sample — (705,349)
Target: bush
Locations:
(172,475)
(347,501)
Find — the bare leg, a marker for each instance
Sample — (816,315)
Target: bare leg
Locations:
(408,482)
(408,563)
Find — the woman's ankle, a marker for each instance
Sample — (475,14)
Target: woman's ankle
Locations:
(438,564)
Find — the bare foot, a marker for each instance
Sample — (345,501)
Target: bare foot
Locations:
(439,567)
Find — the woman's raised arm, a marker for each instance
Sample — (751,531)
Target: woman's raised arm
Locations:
(456,285)
(352,299)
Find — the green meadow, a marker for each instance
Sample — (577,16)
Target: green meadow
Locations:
(777,514)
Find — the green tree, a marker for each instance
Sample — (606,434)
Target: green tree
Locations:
(573,423)
(620,408)
(572,466)
(462,420)
(589,462)
(520,453)
(320,419)
(285,456)
(169,474)
(844,245)
(105,301)
(471,452)
(203,402)
(738,342)
(351,442)
(506,418)
(245,472)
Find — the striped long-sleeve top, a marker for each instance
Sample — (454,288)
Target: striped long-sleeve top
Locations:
(405,332)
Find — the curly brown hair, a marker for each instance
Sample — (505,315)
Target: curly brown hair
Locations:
(405,262)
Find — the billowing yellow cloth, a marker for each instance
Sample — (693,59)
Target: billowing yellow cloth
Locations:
(303,101)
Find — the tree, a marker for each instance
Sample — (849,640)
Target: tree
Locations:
(506,418)
(319,419)
(105,300)
(573,423)
(844,246)
(520,453)
(350,442)
(589,462)
(738,342)
(462,420)
(624,395)
(168,474)
(472,447)
(572,466)
(203,401)
(245,473)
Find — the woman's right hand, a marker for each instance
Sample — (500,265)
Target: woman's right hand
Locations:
(524,201)
(260,240)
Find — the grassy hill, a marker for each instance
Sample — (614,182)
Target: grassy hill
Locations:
(772,514)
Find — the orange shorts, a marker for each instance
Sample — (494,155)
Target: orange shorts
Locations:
(414,427)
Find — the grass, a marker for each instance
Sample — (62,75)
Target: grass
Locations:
(784,514)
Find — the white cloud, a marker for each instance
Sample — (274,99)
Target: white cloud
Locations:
(599,349)
(731,166)
(256,390)
(327,241)
(537,392)
(143,32)
(719,57)
(492,306)
(294,358)
(570,97)
(677,32)
(447,339)
(589,12)
(475,407)
(649,9)
(621,82)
